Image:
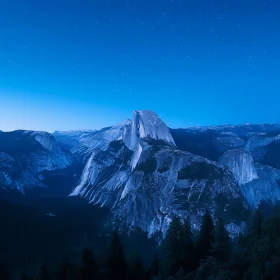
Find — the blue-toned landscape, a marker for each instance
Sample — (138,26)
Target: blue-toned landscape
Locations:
(139,140)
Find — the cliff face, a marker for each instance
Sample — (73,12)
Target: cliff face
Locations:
(165,182)
(241,165)
(25,156)
(146,173)
(145,180)
(266,188)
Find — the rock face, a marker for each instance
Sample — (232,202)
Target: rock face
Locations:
(121,143)
(146,173)
(250,152)
(241,165)
(229,141)
(144,125)
(25,156)
(136,170)
(147,124)
(266,188)
(71,139)
(165,182)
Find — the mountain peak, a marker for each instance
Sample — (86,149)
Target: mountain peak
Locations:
(147,123)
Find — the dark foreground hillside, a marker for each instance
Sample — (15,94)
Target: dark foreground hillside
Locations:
(63,240)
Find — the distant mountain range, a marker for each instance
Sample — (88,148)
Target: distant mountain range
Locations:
(146,173)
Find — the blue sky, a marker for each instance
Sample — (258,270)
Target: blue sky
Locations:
(88,64)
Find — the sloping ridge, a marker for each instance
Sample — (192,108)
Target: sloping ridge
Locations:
(141,175)
(25,156)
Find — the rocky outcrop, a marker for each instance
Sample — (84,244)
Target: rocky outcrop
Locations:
(241,165)
(141,176)
(25,156)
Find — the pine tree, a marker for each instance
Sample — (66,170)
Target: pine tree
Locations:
(4,272)
(116,264)
(257,246)
(24,276)
(154,268)
(256,225)
(205,239)
(222,243)
(44,273)
(272,231)
(172,247)
(238,262)
(206,268)
(258,257)
(274,223)
(64,270)
(137,269)
(186,246)
(89,267)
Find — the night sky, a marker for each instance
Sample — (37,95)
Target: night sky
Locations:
(88,64)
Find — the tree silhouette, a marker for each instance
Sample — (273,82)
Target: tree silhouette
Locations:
(186,249)
(137,272)
(116,265)
(172,247)
(222,242)
(205,239)
(89,267)
(44,273)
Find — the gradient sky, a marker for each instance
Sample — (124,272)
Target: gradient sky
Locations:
(88,64)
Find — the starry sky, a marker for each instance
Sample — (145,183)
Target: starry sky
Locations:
(87,64)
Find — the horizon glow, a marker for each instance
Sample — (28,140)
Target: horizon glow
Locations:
(88,65)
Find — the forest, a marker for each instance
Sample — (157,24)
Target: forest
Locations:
(57,248)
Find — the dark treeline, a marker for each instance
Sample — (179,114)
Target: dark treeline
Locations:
(209,254)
